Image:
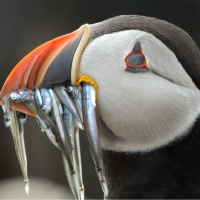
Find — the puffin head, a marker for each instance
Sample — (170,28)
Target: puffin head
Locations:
(147,71)
(144,71)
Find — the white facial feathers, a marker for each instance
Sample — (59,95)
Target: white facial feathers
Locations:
(144,110)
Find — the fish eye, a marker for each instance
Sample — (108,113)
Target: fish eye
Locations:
(13,96)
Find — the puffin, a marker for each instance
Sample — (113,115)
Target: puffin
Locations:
(132,83)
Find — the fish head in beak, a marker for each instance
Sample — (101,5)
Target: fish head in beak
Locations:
(47,65)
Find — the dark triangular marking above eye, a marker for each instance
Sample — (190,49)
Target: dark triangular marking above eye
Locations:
(137,47)
(135,60)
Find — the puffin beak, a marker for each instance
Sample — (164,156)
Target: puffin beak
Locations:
(48,64)
(46,84)
(25,91)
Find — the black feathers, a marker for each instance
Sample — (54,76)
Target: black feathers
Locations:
(166,173)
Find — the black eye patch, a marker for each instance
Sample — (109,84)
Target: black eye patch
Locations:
(136,61)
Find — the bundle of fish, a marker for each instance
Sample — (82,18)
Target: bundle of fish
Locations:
(60,112)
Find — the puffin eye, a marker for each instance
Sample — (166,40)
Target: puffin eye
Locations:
(136,61)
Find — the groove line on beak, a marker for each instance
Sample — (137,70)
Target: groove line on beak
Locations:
(27,71)
(49,59)
(34,71)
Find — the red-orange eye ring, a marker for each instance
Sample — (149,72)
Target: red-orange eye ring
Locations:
(136,61)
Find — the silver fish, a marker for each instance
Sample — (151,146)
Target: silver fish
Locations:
(65,99)
(49,133)
(76,157)
(78,160)
(17,129)
(7,111)
(26,94)
(7,119)
(46,100)
(72,176)
(16,97)
(70,123)
(89,116)
(60,123)
(38,97)
(31,104)
(47,119)
(76,93)
(21,95)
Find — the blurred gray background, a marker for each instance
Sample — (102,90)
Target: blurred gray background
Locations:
(25,24)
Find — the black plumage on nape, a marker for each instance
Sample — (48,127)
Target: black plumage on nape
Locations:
(170,172)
